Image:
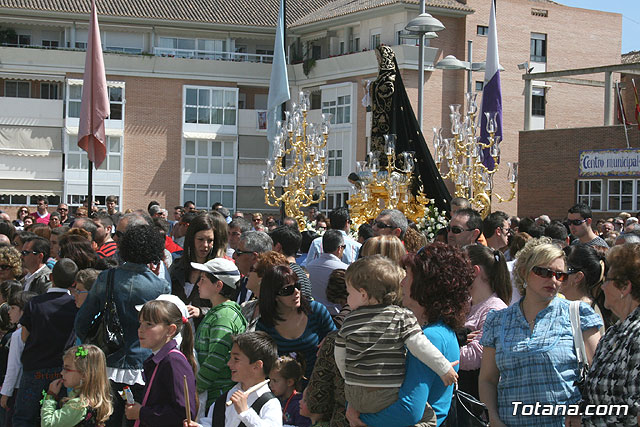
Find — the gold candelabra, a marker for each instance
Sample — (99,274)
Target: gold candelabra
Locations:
(299,162)
(465,154)
(387,188)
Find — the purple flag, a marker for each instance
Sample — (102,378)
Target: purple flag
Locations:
(491,92)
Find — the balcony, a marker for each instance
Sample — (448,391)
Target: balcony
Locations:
(212,55)
(31,112)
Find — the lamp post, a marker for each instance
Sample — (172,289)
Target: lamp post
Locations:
(450,62)
(422,24)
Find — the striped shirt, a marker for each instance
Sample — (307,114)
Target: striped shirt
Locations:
(374,337)
(213,346)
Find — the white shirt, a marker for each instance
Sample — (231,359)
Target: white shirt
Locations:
(14,365)
(270,414)
(29,277)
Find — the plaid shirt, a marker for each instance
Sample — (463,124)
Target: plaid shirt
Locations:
(614,376)
(536,367)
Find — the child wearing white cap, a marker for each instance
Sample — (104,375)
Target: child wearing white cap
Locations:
(218,283)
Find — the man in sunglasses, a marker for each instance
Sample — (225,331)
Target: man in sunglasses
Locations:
(63,210)
(252,243)
(464,228)
(35,253)
(496,229)
(390,222)
(580,218)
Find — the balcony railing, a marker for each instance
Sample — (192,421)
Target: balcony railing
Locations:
(213,55)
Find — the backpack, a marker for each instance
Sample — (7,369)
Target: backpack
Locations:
(220,406)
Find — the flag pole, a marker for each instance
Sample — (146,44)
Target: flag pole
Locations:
(622,113)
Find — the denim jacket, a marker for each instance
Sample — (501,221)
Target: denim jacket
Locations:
(133,284)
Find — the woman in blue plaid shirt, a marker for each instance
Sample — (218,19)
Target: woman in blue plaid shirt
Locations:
(529,355)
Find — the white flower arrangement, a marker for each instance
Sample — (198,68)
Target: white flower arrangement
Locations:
(432,222)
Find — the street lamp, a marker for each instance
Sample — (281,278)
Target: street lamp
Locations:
(422,24)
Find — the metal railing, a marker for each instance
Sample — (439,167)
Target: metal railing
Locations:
(213,55)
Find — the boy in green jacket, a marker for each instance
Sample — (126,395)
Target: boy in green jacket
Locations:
(218,283)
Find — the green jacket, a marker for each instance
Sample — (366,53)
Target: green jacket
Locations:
(70,414)
(213,345)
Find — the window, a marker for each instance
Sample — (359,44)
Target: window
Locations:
(15,89)
(590,193)
(13,199)
(341,112)
(482,30)
(77,157)
(115,101)
(479,86)
(356,44)
(50,43)
(375,40)
(316,52)
(341,48)
(210,106)
(205,195)
(335,163)
(538,47)
(49,90)
(620,195)
(209,157)
(538,101)
(333,201)
(19,40)
(51,200)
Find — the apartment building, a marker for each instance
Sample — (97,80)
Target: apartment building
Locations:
(188,89)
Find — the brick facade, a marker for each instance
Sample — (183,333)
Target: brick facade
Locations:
(549,164)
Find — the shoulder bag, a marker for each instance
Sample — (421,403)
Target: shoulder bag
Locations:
(578,342)
(105,330)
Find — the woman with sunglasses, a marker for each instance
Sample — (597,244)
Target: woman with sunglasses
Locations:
(613,378)
(528,349)
(251,309)
(587,269)
(206,238)
(23,212)
(10,263)
(294,323)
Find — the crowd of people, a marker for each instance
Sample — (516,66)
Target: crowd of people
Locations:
(224,320)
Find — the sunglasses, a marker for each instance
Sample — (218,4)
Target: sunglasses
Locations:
(62,210)
(382,225)
(576,221)
(25,253)
(5,267)
(239,252)
(547,273)
(288,290)
(457,230)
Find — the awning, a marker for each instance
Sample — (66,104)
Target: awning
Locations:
(32,76)
(78,82)
(31,187)
(29,141)
(213,136)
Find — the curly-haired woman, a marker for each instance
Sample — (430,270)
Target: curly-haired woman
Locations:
(10,263)
(436,290)
(528,350)
(133,284)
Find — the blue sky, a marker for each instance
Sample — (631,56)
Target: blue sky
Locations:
(630,10)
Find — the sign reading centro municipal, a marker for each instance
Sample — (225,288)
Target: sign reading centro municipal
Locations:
(619,162)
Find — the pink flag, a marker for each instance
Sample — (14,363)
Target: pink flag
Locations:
(95,99)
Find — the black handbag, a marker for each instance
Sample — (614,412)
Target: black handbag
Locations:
(105,330)
(466,411)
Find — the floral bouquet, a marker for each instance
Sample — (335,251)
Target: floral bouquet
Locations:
(432,222)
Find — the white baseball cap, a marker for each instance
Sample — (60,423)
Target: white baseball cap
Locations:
(173,299)
(223,269)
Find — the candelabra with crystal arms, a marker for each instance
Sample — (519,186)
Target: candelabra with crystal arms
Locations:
(464,153)
(386,188)
(303,175)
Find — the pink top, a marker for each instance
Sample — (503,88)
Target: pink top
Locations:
(40,219)
(471,354)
